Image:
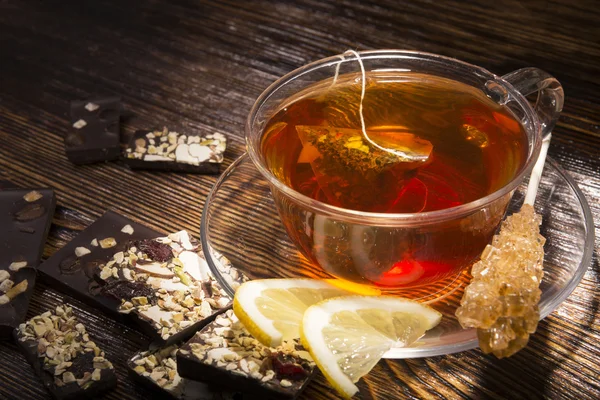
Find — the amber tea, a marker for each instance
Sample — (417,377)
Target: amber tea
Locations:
(428,144)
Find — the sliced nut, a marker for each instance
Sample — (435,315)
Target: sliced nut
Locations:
(17,265)
(119,257)
(139,301)
(4,275)
(140,369)
(79,124)
(6,285)
(97,374)
(107,243)
(81,251)
(94,243)
(68,377)
(285,383)
(17,289)
(128,229)
(32,196)
(92,107)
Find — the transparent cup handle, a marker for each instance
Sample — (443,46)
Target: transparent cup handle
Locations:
(550,97)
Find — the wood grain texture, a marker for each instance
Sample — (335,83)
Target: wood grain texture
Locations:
(201,64)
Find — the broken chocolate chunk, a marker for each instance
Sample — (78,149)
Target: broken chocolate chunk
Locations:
(70,365)
(25,218)
(169,150)
(94,132)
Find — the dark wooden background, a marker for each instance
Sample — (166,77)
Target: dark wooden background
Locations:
(201,64)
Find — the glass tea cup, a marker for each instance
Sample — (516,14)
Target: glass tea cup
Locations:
(395,251)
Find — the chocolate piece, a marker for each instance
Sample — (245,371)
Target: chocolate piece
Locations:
(68,362)
(163,282)
(155,284)
(157,370)
(172,151)
(25,218)
(73,268)
(224,352)
(94,132)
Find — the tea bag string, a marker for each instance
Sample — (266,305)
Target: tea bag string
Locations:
(397,153)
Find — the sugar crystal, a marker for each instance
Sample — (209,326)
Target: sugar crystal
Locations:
(502,299)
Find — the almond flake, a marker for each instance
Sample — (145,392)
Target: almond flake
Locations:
(128,229)
(81,251)
(79,124)
(94,243)
(17,265)
(108,243)
(92,107)
(32,196)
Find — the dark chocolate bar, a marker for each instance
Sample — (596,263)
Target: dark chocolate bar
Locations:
(25,218)
(163,286)
(94,132)
(224,352)
(172,151)
(68,362)
(157,371)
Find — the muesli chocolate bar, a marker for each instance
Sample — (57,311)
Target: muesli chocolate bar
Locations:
(94,132)
(66,359)
(25,218)
(160,284)
(224,352)
(170,150)
(167,283)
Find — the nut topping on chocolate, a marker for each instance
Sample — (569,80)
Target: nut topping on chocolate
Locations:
(226,344)
(32,196)
(174,147)
(81,251)
(91,107)
(165,281)
(79,124)
(64,347)
(17,265)
(128,229)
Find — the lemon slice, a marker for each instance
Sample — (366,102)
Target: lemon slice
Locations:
(271,309)
(347,336)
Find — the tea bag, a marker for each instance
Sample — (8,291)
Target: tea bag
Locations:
(362,169)
(353,173)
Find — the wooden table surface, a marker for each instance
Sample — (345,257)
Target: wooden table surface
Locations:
(201,65)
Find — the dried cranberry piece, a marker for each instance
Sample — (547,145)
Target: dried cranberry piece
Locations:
(125,290)
(156,251)
(286,366)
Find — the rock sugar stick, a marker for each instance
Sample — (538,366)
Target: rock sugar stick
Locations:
(502,299)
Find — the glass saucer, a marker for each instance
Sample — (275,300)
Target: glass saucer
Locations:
(240,221)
